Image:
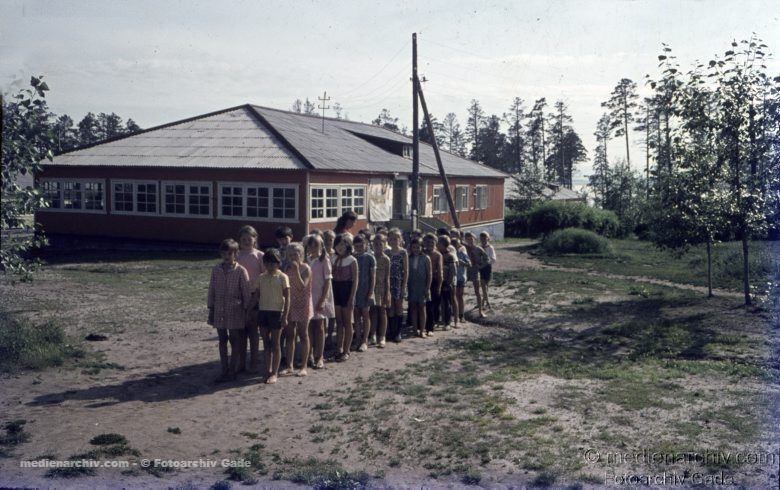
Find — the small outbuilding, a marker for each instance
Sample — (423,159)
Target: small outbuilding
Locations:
(199,179)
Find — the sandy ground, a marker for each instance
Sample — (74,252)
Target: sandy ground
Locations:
(169,365)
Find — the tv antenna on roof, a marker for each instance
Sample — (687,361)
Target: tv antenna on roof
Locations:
(324,99)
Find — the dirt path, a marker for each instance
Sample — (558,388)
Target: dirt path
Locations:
(515,257)
(167,383)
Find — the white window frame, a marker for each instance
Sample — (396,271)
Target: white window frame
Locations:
(62,182)
(135,184)
(478,198)
(442,199)
(186,184)
(406,152)
(270,186)
(465,194)
(340,208)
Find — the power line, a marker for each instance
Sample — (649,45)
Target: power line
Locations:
(378,72)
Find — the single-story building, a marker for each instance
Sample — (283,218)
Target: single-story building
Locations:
(548,191)
(199,179)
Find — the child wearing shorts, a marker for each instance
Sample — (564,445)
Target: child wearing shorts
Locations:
(486,272)
(273,287)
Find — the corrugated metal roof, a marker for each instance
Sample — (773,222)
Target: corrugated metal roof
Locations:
(261,137)
(230,139)
(339,148)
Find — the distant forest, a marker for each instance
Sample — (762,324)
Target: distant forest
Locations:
(65,133)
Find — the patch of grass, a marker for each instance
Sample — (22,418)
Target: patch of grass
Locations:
(14,434)
(471,477)
(24,345)
(640,258)
(321,474)
(94,367)
(250,435)
(108,439)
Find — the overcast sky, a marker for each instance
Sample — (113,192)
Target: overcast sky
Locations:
(158,61)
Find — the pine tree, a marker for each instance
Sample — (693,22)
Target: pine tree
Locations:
(309,107)
(438,131)
(598,181)
(297,106)
(88,129)
(622,105)
(516,137)
(475,122)
(535,137)
(64,134)
(454,136)
(385,120)
(490,143)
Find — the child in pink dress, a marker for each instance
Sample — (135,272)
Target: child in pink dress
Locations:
(250,259)
(229,296)
(300,306)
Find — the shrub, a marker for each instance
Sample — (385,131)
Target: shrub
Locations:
(27,346)
(516,224)
(549,216)
(575,241)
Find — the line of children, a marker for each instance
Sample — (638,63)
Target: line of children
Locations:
(288,295)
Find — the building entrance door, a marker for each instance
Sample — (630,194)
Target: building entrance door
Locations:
(399,199)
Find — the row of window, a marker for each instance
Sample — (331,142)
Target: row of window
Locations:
(329,202)
(461,198)
(239,200)
(192,199)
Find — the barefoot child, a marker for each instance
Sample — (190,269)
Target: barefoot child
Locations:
(328,237)
(229,296)
(250,259)
(433,304)
(381,289)
(322,296)
(399,275)
(273,287)
(345,282)
(419,285)
(448,306)
(460,278)
(486,272)
(300,307)
(478,259)
(364,296)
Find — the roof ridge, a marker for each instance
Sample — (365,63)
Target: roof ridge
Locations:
(153,128)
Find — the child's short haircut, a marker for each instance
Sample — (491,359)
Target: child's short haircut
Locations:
(415,241)
(345,238)
(315,231)
(429,237)
(248,230)
(484,234)
(442,231)
(381,229)
(444,240)
(456,232)
(329,234)
(417,232)
(296,246)
(358,239)
(396,232)
(283,231)
(469,234)
(272,256)
(228,245)
(379,237)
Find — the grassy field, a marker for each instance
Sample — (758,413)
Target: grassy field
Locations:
(639,258)
(567,366)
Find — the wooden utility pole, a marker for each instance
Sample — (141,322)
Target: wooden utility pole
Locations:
(415,136)
(444,181)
